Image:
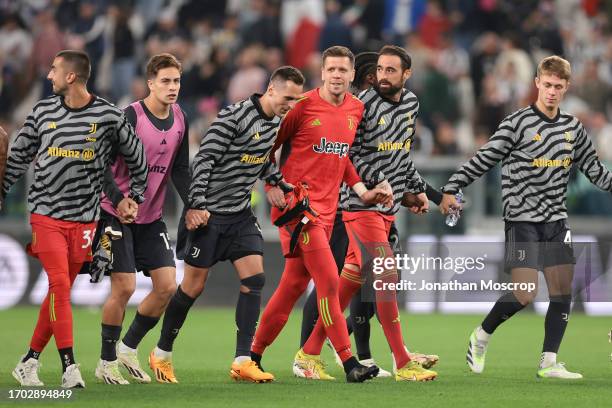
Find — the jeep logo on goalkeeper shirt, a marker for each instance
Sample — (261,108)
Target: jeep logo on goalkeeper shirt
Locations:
(341,149)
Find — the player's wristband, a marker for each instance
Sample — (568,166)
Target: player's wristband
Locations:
(433,195)
(360,188)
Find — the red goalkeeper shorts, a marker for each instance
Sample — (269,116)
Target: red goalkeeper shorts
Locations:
(314,236)
(368,231)
(53,235)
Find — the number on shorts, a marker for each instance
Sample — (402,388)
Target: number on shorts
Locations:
(166,239)
(88,237)
(568,237)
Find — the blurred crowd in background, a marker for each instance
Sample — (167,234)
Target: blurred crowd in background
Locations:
(473,61)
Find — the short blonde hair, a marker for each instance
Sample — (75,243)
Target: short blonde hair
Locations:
(555,65)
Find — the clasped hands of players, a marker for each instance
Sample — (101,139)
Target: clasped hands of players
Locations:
(195,218)
(276,196)
(378,195)
(381,194)
(417,203)
(127,210)
(448,203)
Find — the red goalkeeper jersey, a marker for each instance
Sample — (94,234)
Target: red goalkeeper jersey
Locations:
(316,137)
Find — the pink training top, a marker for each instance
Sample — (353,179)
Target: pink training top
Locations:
(161,147)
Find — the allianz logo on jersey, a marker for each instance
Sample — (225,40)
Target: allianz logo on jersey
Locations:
(85,154)
(252,159)
(325,147)
(385,146)
(544,162)
(155,168)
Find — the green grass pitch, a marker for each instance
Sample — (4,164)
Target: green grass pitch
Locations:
(204,351)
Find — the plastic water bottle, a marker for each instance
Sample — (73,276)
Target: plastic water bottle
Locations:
(453,215)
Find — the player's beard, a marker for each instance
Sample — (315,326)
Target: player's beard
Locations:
(60,91)
(390,91)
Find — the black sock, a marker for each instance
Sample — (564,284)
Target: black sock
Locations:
(256,358)
(31,354)
(138,329)
(349,325)
(555,322)
(110,337)
(310,314)
(360,320)
(175,316)
(67,357)
(350,364)
(505,307)
(247,313)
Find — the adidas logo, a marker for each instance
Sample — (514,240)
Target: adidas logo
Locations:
(132,371)
(537,138)
(52,125)
(163,142)
(161,376)
(110,380)
(315,122)
(256,136)
(382,122)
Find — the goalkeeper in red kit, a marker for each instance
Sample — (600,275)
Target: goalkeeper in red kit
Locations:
(316,136)
(381,155)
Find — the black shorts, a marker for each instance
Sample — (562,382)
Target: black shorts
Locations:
(225,237)
(538,245)
(144,247)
